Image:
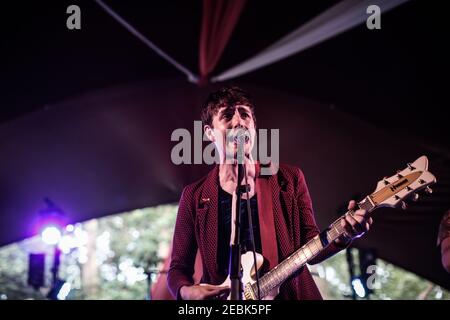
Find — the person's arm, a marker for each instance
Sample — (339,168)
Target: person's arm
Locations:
(444,240)
(184,250)
(184,247)
(445,253)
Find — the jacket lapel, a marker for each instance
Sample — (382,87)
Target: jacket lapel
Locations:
(207,218)
(283,206)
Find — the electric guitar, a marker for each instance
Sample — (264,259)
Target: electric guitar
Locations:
(389,192)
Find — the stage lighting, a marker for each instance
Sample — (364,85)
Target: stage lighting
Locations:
(50,223)
(51,235)
(358,287)
(59,291)
(64,292)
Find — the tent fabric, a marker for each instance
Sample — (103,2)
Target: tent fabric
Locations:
(108,151)
(190,75)
(339,18)
(218,22)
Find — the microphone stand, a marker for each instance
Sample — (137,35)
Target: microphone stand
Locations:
(235,270)
(235,248)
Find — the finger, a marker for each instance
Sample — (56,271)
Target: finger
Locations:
(361,212)
(224,293)
(218,290)
(364,223)
(361,222)
(348,230)
(213,287)
(351,204)
(362,216)
(216,293)
(210,294)
(356,224)
(359,216)
(351,223)
(368,223)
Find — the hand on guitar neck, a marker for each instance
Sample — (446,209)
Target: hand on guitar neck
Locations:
(355,224)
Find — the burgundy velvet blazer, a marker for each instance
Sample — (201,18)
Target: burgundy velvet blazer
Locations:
(286,222)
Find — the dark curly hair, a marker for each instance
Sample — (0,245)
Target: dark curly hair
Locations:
(228,96)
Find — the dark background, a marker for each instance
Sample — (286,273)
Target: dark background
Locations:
(394,78)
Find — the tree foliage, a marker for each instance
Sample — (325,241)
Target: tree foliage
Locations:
(121,251)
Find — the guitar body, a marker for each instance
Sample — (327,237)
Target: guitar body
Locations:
(249,276)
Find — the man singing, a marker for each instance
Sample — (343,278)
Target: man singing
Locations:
(280,204)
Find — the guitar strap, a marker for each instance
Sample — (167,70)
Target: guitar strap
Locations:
(266,219)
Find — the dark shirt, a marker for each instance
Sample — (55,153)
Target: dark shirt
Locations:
(225,203)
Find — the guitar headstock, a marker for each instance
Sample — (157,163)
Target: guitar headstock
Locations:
(405,184)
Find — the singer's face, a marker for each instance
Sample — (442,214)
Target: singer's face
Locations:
(225,124)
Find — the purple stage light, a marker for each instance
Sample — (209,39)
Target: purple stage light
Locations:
(51,235)
(51,223)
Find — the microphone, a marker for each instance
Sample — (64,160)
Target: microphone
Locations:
(241,136)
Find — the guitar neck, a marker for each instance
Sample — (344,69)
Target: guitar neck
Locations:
(306,253)
(389,192)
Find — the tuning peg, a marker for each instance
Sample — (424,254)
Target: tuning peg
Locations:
(404,206)
(385,181)
(415,197)
(410,167)
(428,190)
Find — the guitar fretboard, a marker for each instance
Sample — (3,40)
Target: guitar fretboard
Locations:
(299,258)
